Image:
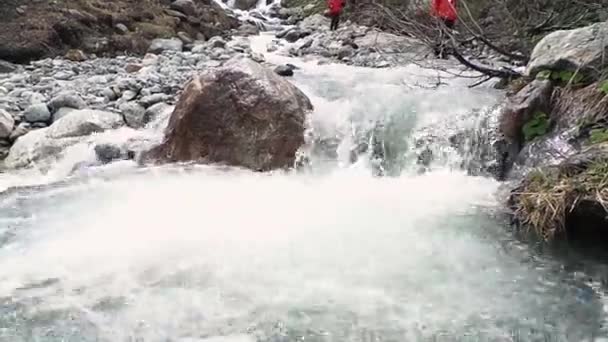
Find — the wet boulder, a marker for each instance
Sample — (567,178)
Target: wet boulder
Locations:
(520,108)
(107,153)
(35,146)
(241,114)
(284,70)
(581,49)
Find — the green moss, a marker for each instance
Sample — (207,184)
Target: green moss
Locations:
(562,77)
(604,87)
(537,126)
(598,135)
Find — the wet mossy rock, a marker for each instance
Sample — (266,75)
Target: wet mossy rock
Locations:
(569,200)
(51,28)
(527,104)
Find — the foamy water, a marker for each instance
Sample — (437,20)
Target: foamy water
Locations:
(327,253)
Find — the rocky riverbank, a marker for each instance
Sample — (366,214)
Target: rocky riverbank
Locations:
(555,134)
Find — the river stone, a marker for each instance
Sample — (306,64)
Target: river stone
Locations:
(61,112)
(6,67)
(84,122)
(159,45)
(579,49)
(241,114)
(283,70)
(37,113)
(149,100)
(107,153)
(35,146)
(133,114)
(217,42)
(7,123)
(66,99)
(184,6)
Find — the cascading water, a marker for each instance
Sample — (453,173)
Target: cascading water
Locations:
(325,253)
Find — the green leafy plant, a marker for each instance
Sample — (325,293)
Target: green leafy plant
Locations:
(604,87)
(537,126)
(563,76)
(598,135)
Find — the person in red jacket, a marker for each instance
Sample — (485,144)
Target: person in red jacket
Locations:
(445,11)
(335,9)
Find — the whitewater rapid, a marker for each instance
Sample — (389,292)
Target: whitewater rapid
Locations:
(326,253)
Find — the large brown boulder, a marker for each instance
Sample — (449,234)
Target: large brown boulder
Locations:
(241,114)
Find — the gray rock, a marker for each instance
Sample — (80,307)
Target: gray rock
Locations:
(315,22)
(199,48)
(293,35)
(345,51)
(247,29)
(245,4)
(21,130)
(37,113)
(7,123)
(184,6)
(6,67)
(149,100)
(184,37)
(579,49)
(156,111)
(217,42)
(107,153)
(159,45)
(258,57)
(109,94)
(35,98)
(35,146)
(63,75)
(66,99)
(61,112)
(128,95)
(283,70)
(84,122)
(122,28)
(133,114)
(176,14)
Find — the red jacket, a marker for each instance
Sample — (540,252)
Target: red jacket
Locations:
(335,6)
(445,9)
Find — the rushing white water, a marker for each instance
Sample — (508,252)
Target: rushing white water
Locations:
(329,253)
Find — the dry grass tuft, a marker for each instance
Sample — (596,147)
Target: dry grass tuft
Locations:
(546,197)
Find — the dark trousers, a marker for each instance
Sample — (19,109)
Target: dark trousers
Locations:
(335,20)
